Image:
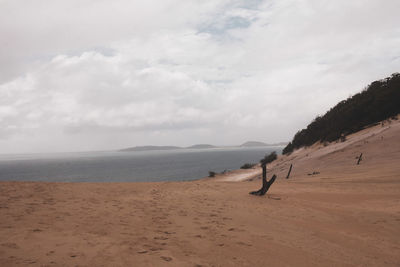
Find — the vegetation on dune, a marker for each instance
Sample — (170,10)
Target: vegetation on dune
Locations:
(248,165)
(378,101)
(269,158)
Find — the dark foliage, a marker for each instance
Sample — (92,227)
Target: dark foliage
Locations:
(248,165)
(269,158)
(211,174)
(379,101)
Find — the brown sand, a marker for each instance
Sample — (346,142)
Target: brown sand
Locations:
(347,215)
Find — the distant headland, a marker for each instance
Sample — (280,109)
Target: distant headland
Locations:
(198,146)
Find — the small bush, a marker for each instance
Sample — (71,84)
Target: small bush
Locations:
(211,174)
(248,165)
(269,158)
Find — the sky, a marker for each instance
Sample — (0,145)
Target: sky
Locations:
(83,75)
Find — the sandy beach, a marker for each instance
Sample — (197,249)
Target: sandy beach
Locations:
(330,212)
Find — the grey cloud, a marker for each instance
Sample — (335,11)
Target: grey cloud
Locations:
(94,128)
(142,73)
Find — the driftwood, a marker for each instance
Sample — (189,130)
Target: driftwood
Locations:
(290,170)
(266,184)
(359,159)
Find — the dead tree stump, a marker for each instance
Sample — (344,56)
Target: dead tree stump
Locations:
(265,184)
(290,170)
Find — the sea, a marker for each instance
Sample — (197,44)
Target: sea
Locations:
(134,166)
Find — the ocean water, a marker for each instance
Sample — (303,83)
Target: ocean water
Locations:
(144,166)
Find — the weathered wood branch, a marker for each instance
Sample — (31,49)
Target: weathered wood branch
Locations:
(290,170)
(266,184)
(359,159)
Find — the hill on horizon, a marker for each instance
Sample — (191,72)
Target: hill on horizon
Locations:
(201,146)
(197,146)
(155,148)
(253,143)
(257,143)
(378,101)
(149,148)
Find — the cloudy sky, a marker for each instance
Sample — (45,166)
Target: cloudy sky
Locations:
(92,75)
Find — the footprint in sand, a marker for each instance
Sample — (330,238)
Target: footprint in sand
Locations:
(169,233)
(50,252)
(160,238)
(217,223)
(166,258)
(243,244)
(236,230)
(156,249)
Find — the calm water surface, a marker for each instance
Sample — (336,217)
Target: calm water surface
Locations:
(146,166)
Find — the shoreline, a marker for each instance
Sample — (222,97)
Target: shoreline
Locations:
(346,215)
(129,167)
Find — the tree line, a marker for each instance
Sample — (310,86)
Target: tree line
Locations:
(378,101)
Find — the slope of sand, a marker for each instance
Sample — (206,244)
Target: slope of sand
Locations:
(347,215)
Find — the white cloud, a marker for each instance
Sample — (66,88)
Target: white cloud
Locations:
(80,74)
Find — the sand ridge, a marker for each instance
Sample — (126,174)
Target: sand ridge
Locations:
(346,215)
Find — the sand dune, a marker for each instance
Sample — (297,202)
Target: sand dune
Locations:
(343,215)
